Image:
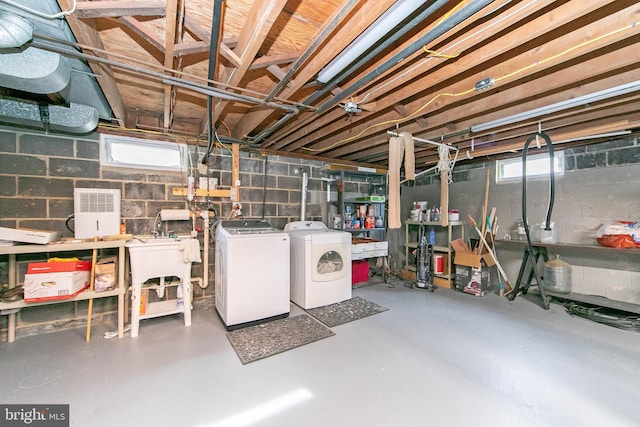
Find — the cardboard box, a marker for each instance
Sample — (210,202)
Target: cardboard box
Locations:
(471,270)
(28,235)
(106,274)
(472,280)
(46,281)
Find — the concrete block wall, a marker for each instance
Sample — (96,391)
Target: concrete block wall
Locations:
(39,172)
(599,186)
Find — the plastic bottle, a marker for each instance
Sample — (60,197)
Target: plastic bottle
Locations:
(521,233)
(432,237)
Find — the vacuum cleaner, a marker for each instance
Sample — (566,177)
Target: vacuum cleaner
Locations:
(424,253)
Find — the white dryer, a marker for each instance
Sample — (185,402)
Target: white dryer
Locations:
(320,264)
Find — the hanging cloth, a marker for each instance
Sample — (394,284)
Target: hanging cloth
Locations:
(409,156)
(399,147)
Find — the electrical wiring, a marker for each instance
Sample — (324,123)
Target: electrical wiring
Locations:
(472,89)
(58,15)
(435,54)
(395,121)
(563,53)
(441,53)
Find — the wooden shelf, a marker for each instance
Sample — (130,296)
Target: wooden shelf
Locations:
(576,246)
(11,307)
(226,193)
(82,296)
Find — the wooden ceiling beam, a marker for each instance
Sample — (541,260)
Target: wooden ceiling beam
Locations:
(479,52)
(106,8)
(230,55)
(262,16)
(170,40)
(612,108)
(301,124)
(204,35)
(143,32)
(557,49)
(190,48)
(266,61)
(354,24)
(86,33)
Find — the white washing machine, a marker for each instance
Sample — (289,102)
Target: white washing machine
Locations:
(251,273)
(320,264)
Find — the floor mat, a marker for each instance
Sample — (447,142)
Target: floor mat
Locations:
(345,311)
(264,340)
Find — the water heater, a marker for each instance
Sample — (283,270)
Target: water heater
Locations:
(96,212)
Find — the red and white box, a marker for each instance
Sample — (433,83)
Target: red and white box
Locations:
(46,281)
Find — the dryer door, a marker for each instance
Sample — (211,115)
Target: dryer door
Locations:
(330,260)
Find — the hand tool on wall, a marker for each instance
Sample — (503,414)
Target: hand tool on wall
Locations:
(92,278)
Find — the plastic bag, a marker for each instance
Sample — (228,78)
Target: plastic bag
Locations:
(619,234)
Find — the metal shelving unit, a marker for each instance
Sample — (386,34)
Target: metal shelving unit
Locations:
(371,192)
(347,189)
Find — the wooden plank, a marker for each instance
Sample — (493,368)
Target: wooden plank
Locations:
(190,48)
(170,39)
(86,33)
(230,55)
(262,16)
(104,9)
(266,61)
(277,72)
(204,34)
(401,90)
(203,192)
(551,49)
(145,33)
(302,123)
(355,24)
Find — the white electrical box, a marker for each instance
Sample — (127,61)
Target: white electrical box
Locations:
(96,212)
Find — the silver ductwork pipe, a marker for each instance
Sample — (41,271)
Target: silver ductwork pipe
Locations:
(14,31)
(77,118)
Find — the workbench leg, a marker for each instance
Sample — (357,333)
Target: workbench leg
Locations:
(186,294)
(123,288)
(11,318)
(136,292)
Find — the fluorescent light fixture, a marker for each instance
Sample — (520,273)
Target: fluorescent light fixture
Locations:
(559,106)
(369,37)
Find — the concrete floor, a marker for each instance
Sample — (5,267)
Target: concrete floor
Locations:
(433,359)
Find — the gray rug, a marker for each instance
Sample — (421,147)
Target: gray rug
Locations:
(264,340)
(346,311)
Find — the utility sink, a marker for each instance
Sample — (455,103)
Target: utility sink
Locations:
(161,257)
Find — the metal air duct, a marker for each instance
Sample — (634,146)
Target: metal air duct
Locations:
(14,31)
(76,118)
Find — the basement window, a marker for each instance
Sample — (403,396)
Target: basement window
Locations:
(510,170)
(125,152)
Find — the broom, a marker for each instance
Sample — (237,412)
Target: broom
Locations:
(491,252)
